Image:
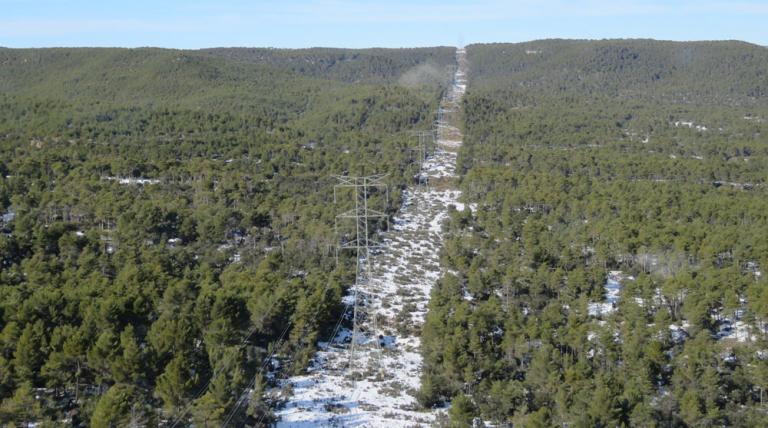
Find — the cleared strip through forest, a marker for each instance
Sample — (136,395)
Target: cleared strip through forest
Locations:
(404,273)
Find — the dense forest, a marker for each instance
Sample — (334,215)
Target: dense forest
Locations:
(167,219)
(613,272)
(167,239)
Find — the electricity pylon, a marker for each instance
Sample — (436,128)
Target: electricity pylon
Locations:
(425,146)
(364,321)
(425,142)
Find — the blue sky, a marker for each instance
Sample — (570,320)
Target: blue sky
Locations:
(365,23)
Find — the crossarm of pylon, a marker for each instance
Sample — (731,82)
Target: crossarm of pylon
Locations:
(354,246)
(377,183)
(355,214)
(422,132)
(370,180)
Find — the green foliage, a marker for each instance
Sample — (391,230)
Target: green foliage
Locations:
(639,71)
(217,79)
(585,157)
(118,407)
(168,216)
(462,411)
(176,384)
(21,408)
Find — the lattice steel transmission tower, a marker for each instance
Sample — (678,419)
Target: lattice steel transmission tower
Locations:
(362,240)
(425,142)
(424,147)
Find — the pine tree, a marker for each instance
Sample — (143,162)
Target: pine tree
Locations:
(22,407)
(29,356)
(116,408)
(175,384)
(128,367)
(462,412)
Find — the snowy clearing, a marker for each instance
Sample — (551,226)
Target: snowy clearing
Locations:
(402,278)
(612,293)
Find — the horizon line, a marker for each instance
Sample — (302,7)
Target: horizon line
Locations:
(386,47)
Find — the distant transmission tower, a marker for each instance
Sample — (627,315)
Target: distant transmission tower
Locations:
(424,147)
(364,321)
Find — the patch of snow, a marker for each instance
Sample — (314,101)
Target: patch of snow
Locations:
(679,333)
(733,327)
(612,293)
(690,124)
(739,331)
(132,181)
(441,164)
(8,216)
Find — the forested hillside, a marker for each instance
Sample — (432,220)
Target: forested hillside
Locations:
(167,217)
(412,66)
(733,73)
(613,273)
(228,79)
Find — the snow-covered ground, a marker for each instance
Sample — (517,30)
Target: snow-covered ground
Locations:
(612,293)
(8,216)
(132,180)
(382,394)
(730,325)
(689,124)
(441,165)
(733,325)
